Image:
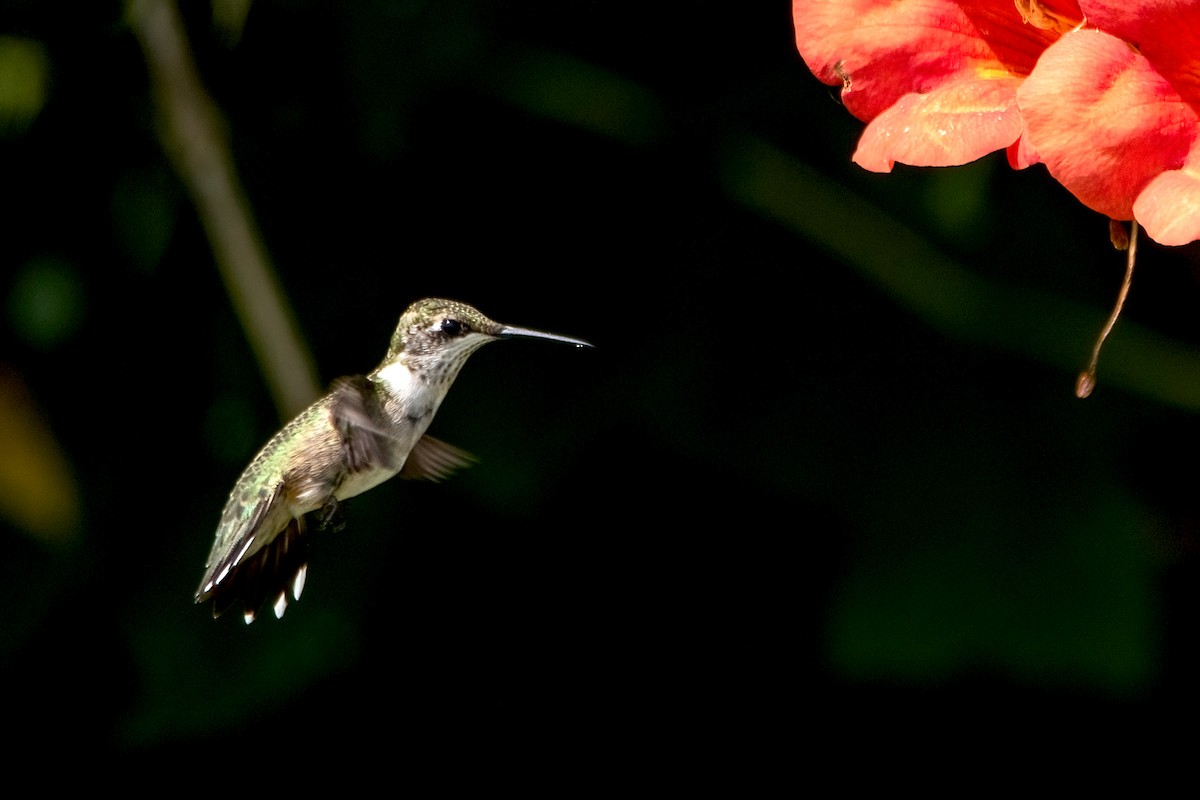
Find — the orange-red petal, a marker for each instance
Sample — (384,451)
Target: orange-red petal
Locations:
(1167,34)
(1169,207)
(1104,121)
(951,125)
(956,63)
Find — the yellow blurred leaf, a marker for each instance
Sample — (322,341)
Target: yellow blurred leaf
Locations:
(24,78)
(38,491)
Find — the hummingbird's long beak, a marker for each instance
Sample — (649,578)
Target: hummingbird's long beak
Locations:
(511,331)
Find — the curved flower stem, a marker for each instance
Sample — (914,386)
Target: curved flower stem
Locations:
(1087,379)
(193,134)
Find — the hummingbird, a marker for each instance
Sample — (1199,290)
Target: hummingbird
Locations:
(368,428)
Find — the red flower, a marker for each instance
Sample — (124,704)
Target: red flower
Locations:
(1106,94)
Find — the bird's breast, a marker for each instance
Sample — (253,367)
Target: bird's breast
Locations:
(355,483)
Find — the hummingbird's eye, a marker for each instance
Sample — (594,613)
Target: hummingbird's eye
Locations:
(452,327)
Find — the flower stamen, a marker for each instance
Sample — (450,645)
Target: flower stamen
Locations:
(1086,381)
(840,69)
(1037,15)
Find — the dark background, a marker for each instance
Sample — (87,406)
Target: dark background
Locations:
(822,486)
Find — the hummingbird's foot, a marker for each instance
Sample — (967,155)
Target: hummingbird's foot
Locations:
(332,516)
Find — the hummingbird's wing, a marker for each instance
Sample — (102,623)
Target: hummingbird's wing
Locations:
(434,460)
(354,408)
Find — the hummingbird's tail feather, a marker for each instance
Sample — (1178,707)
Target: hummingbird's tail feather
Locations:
(272,573)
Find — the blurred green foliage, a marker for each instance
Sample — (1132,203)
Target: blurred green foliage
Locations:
(46,303)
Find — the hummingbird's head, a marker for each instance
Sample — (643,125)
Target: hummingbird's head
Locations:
(435,336)
(434,326)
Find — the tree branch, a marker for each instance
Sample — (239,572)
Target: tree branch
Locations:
(194,136)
